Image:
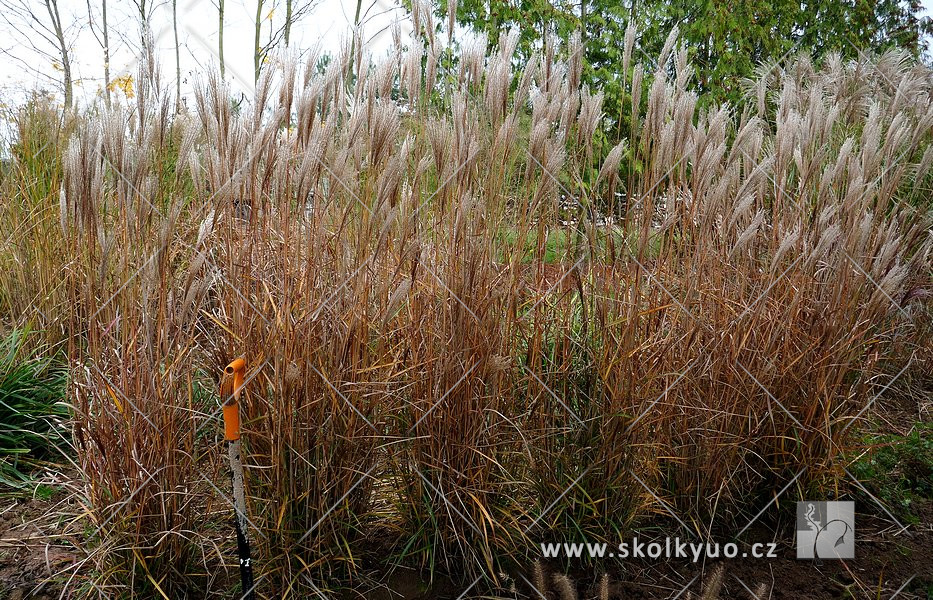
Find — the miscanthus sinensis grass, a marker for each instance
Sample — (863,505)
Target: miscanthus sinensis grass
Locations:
(377,237)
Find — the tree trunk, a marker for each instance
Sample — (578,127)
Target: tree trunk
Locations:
(257,47)
(356,25)
(144,27)
(52,7)
(288,21)
(220,35)
(583,24)
(177,57)
(106,35)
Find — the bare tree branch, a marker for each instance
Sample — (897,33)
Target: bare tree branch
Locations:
(44,32)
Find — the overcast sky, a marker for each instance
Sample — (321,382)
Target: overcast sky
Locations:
(28,63)
(24,68)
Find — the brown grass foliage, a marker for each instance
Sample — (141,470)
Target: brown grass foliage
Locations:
(424,359)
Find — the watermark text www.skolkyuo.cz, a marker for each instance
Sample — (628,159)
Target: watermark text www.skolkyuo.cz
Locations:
(667,548)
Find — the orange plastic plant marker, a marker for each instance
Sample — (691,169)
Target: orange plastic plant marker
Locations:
(231,422)
(234,376)
(230,385)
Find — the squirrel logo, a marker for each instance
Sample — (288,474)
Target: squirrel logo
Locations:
(828,537)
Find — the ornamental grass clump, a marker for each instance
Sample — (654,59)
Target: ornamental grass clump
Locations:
(470,319)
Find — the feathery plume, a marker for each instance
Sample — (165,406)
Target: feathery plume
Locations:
(628,44)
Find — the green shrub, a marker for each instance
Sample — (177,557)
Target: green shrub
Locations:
(899,469)
(32,411)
